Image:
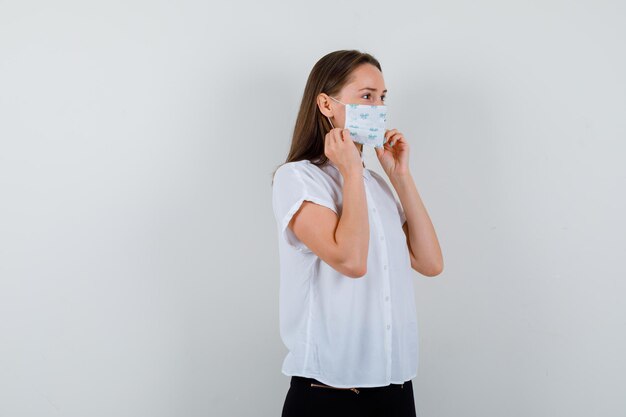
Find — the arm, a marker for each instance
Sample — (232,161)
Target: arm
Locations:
(424,249)
(341,242)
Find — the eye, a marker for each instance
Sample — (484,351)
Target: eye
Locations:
(368,95)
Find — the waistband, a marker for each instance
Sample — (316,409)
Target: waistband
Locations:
(301,381)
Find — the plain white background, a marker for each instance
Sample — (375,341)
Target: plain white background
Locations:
(138,250)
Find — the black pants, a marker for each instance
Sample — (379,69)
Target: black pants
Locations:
(306,400)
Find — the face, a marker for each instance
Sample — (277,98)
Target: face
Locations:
(366,87)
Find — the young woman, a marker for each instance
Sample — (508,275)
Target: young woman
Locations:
(347,250)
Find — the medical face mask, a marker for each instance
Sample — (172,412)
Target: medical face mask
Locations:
(365,122)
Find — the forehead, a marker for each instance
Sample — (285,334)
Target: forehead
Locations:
(366,75)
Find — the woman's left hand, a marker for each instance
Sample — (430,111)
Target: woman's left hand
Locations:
(394,155)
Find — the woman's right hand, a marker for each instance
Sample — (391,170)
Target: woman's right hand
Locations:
(342,151)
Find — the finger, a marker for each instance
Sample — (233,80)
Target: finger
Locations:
(389,140)
(388,134)
(390,131)
(337,135)
(394,138)
(329,139)
(345,135)
(332,136)
(393,133)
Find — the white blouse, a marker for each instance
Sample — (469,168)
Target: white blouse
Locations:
(342,331)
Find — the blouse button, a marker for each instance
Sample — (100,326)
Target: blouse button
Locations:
(388,326)
(382,238)
(384,266)
(387,298)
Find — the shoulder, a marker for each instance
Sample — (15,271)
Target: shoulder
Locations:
(303,171)
(292,166)
(304,179)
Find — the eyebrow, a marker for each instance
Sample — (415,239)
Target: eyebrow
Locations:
(370,88)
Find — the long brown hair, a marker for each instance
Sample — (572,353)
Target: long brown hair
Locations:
(328,76)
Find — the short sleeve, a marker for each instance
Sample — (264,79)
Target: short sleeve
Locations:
(400,211)
(295,182)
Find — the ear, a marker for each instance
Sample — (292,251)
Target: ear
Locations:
(323,103)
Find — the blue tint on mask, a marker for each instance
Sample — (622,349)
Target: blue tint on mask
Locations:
(365,122)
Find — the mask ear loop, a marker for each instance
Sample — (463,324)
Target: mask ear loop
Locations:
(362,145)
(331,123)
